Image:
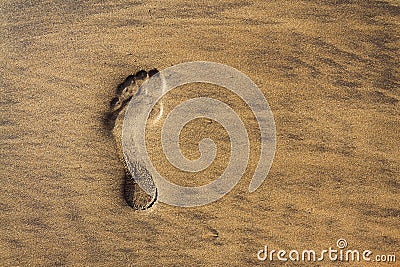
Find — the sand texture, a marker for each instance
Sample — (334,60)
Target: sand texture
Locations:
(329,70)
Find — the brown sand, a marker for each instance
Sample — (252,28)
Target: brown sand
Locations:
(329,70)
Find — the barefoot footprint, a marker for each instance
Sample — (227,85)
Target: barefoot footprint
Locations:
(134,196)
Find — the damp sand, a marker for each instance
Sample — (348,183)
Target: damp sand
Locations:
(329,70)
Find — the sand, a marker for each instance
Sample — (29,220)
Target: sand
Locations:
(329,70)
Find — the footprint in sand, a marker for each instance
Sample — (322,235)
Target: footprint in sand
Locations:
(134,196)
